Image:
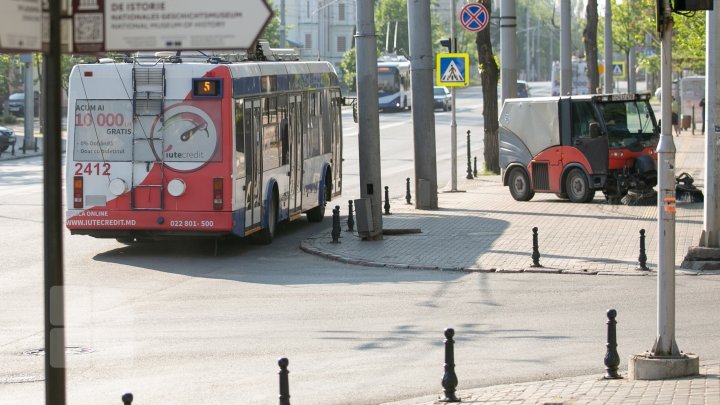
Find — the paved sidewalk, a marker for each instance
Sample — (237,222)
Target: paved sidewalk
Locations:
(484,229)
(703,389)
(18,153)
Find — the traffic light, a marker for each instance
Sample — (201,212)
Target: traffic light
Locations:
(446,43)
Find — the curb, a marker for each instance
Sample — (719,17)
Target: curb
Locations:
(308,246)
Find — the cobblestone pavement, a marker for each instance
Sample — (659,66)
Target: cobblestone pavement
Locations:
(703,389)
(485,229)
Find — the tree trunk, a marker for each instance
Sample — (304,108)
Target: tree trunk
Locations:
(591,51)
(489,78)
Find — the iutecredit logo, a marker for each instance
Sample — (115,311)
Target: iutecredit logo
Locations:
(197,155)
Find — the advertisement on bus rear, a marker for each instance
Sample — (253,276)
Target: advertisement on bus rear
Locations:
(103,131)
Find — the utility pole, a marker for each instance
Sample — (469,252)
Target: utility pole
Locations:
(508,54)
(282,24)
(29,138)
(528,38)
(368,119)
(711,231)
(608,49)
(632,79)
(665,359)
(565,57)
(421,62)
(665,343)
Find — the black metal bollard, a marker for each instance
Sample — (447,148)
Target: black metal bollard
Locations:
(284,382)
(612,358)
(387,201)
(127,399)
(693,119)
(408,196)
(469,166)
(336,225)
(475,166)
(350,220)
(643,257)
(449,380)
(536,251)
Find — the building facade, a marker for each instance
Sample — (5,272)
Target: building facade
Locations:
(320,29)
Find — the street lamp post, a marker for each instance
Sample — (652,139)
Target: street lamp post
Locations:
(665,359)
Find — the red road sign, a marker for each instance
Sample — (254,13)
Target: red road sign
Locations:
(474,17)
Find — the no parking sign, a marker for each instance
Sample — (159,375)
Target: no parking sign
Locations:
(474,17)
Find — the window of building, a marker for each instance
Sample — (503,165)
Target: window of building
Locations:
(341,44)
(308,41)
(341,11)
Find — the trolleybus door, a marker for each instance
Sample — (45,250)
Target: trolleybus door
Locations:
(294,139)
(336,126)
(253,188)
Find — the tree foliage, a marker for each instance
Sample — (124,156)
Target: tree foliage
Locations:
(348,68)
(10,74)
(634,25)
(271,33)
(391,13)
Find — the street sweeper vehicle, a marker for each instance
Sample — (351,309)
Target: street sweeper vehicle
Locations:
(573,146)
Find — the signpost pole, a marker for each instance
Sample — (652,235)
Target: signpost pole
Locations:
(453,123)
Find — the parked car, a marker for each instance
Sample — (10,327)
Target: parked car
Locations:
(442,98)
(16,104)
(7,138)
(523,90)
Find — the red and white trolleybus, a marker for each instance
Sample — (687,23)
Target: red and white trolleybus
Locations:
(201,145)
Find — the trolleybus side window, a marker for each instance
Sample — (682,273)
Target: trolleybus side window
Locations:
(271,144)
(252,142)
(240,138)
(282,109)
(327,126)
(311,143)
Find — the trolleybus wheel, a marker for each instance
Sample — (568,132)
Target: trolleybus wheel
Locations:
(520,185)
(318,213)
(577,187)
(266,235)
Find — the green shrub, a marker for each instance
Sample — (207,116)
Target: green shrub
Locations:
(8,119)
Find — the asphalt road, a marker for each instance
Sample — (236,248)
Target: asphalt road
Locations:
(174,325)
(397,153)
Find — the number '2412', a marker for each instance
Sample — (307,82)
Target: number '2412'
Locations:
(92,169)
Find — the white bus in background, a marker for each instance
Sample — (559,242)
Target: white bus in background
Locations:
(198,145)
(580,83)
(393,73)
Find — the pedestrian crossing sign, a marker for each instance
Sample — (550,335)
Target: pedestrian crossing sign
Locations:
(618,70)
(452,69)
